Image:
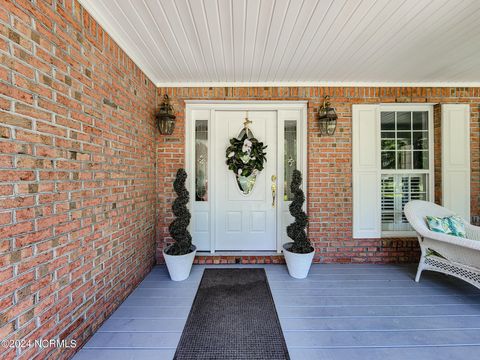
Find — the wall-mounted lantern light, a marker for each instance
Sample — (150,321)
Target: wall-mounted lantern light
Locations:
(166,117)
(327,118)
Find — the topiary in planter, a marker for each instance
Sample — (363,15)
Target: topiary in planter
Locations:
(178,227)
(296,230)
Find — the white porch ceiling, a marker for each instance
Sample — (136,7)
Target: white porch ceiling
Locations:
(297,42)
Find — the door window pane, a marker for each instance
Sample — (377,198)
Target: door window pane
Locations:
(290,156)
(201,160)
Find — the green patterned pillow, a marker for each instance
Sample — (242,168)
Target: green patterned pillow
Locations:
(438,224)
(456,226)
(450,225)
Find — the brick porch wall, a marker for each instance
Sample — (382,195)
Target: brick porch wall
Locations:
(329,165)
(77,175)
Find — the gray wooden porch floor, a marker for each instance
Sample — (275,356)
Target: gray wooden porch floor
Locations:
(340,312)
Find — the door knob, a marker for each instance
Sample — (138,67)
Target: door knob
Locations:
(274,189)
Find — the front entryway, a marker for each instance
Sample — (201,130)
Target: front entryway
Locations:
(227,214)
(245,221)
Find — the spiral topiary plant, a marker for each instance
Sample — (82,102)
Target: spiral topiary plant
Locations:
(178,227)
(296,230)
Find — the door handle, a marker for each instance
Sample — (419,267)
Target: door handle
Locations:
(274,189)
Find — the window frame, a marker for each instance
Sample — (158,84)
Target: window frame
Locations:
(408,107)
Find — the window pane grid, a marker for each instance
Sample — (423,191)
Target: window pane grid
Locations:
(405,169)
(404,140)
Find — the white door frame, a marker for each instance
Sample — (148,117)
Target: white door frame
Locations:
(207,109)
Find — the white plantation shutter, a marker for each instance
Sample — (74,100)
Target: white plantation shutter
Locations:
(366,171)
(456,158)
(397,191)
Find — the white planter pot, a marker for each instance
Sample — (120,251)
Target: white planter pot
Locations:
(179,266)
(298,265)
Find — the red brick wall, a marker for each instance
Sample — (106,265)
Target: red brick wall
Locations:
(329,164)
(77,174)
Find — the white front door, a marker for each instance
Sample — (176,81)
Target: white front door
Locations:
(245,222)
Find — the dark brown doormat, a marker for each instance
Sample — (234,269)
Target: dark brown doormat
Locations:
(233,316)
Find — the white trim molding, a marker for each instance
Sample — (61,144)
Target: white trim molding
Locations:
(205,110)
(435,84)
(242,104)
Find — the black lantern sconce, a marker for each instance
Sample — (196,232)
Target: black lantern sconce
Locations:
(166,117)
(327,118)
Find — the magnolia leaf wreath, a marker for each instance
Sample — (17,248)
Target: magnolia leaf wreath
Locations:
(245,157)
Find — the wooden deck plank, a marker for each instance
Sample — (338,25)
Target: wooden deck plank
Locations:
(151,312)
(415,291)
(143,325)
(382,323)
(119,340)
(350,284)
(125,354)
(326,284)
(367,338)
(420,353)
(295,300)
(163,301)
(374,311)
(185,292)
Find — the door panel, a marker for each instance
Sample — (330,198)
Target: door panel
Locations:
(245,222)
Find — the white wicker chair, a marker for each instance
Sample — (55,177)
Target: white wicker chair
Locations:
(461,256)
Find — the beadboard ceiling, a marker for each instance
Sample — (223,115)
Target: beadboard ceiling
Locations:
(297,42)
